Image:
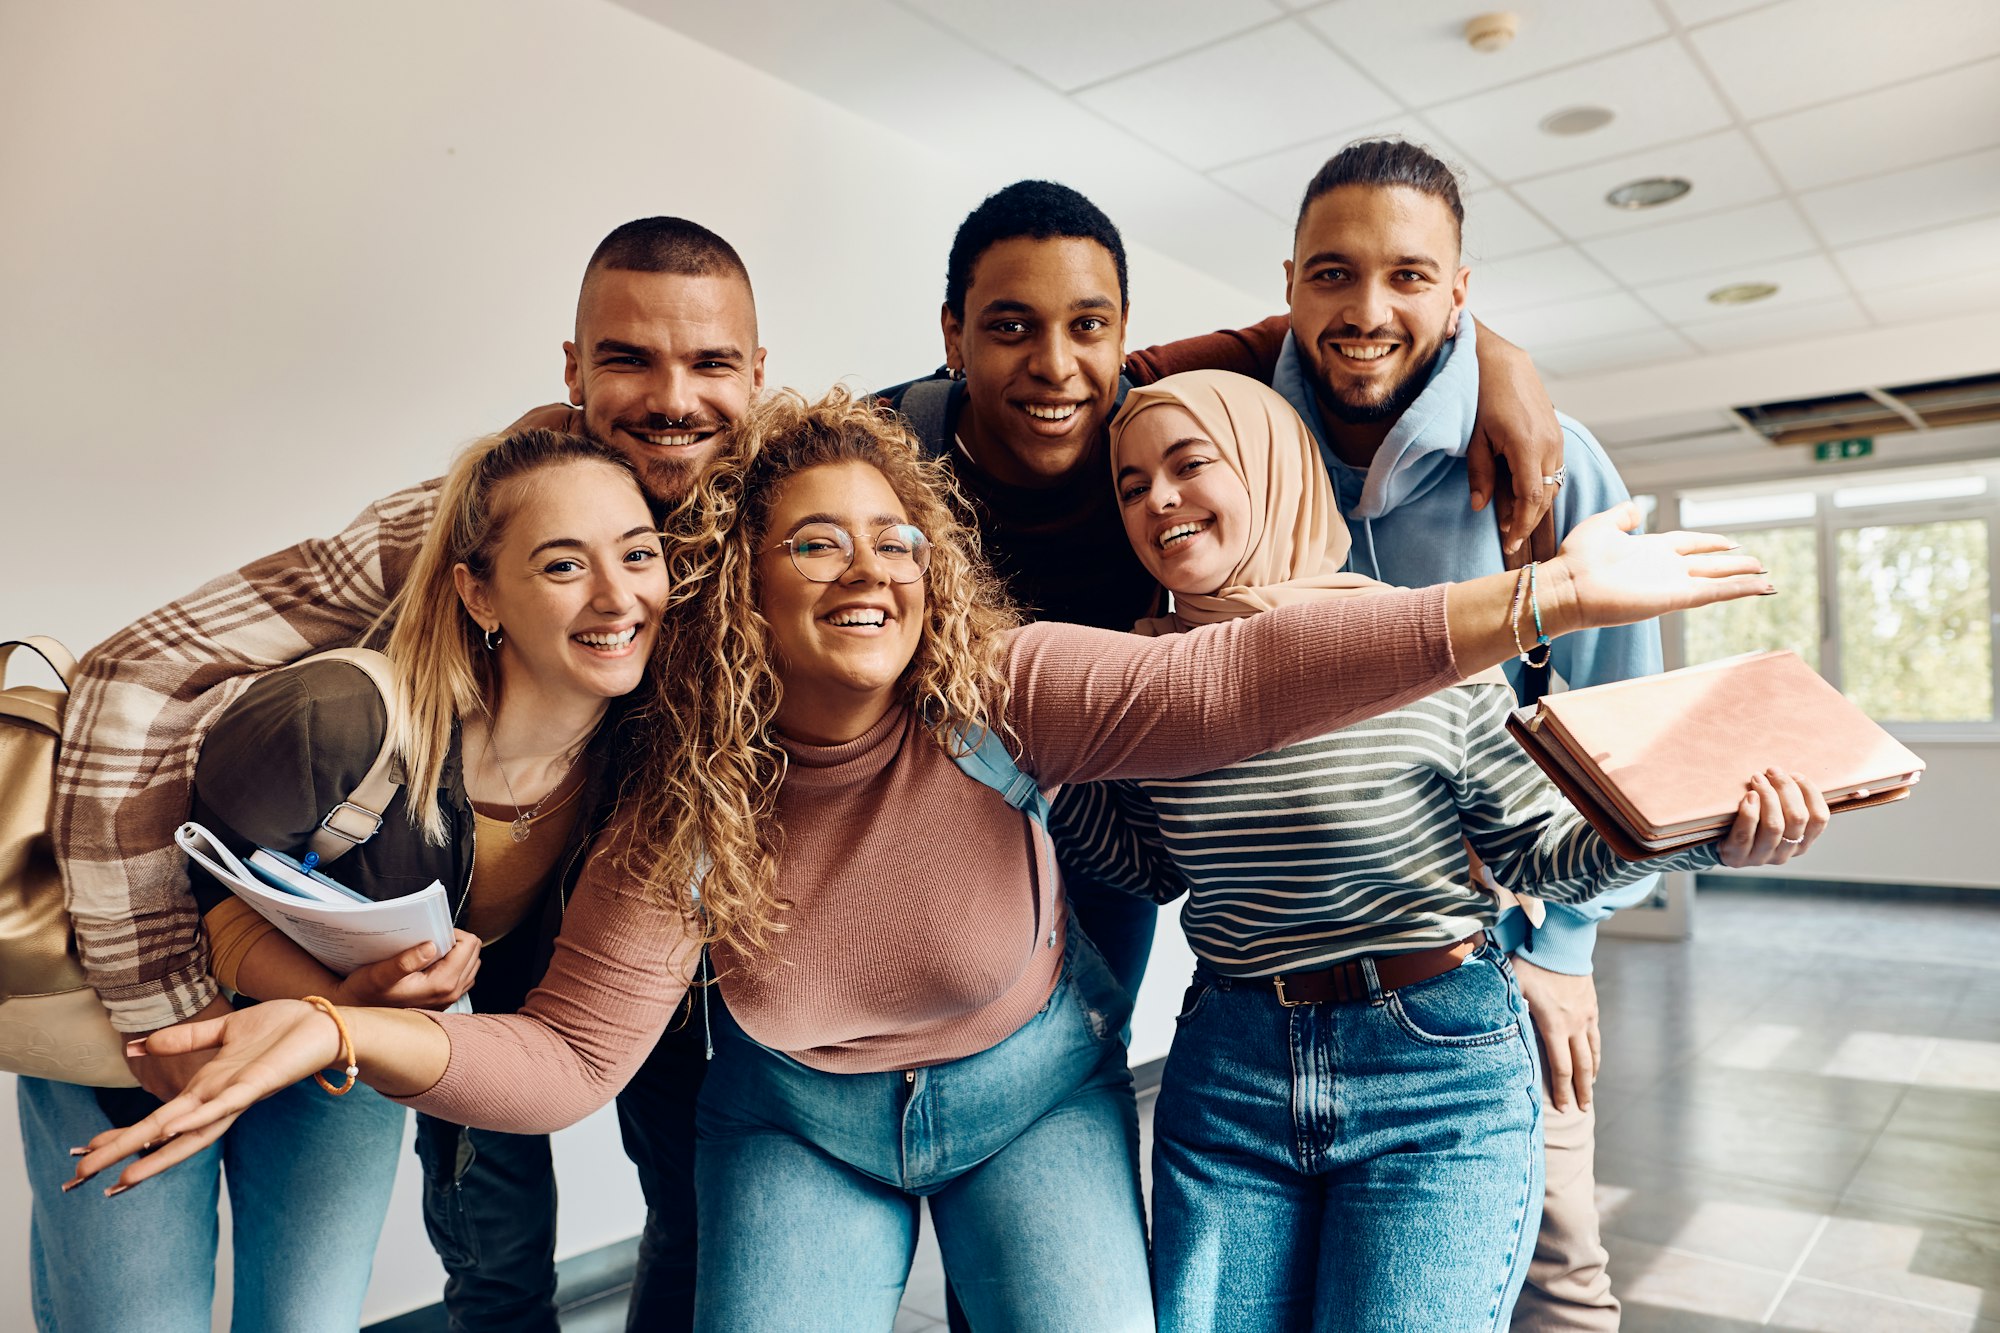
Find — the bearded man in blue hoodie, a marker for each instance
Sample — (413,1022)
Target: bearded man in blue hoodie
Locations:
(1379,362)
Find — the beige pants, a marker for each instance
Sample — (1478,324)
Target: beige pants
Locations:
(1568,1285)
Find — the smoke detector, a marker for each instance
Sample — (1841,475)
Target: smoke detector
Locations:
(1492,32)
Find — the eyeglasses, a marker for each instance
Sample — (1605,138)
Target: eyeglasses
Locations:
(825,551)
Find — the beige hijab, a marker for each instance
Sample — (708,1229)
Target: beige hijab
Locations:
(1300,540)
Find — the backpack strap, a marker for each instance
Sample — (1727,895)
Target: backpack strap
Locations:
(359,817)
(43,708)
(990,764)
(926,406)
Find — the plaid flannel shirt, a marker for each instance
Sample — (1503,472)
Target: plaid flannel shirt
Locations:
(143,700)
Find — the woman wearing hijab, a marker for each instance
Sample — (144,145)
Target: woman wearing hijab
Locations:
(1348,1131)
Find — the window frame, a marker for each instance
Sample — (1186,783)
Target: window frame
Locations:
(1828,522)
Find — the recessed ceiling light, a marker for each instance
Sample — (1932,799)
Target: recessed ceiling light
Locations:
(1650,192)
(1742,293)
(1577,120)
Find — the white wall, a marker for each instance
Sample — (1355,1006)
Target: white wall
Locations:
(264,262)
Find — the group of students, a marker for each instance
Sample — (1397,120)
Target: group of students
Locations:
(732,720)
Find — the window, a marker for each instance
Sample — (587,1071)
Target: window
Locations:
(1884,587)
(1915,642)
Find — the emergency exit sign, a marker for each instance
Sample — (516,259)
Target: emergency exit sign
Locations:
(1831,451)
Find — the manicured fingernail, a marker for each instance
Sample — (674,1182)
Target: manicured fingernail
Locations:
(1770,590)
(135,1048)
(69,1185)
(79,1152)
(116,1190)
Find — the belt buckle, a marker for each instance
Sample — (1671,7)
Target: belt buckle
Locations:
(1278,984)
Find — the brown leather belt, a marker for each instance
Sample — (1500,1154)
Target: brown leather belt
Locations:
(1346,983)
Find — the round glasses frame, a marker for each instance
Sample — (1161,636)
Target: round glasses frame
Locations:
(824,552)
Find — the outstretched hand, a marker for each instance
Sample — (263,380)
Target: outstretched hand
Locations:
(1609,574)
(258,1051)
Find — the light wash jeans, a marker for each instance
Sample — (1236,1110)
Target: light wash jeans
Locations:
(309,1177)
(808,1184)
(1373,1167)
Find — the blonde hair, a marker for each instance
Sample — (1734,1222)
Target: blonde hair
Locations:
(702,803)
(433,642)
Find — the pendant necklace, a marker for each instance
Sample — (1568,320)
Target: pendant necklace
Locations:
(524,821)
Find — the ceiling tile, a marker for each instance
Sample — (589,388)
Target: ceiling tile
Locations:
(1809,51)
(1935,117)
(1703,244)
(1417,48)
(1096,40)
(1967,247)
(1724,168)
(1755,327)
(1277,181)
(1691,12)
(1543,278)
(1939,192)
(1655,89)
(1800,282)
(1247,95)
(1580,320)
(1497,225)
(1972,293)
(1618,352)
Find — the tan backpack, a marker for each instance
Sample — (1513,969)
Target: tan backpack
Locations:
(51,1022)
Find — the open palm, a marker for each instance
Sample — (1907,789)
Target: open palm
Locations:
(1618,576)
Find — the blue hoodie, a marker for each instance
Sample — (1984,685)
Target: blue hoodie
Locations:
(1413,525)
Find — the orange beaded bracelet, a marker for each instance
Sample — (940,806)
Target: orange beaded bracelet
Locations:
(353,1070)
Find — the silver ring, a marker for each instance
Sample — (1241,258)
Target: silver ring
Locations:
(1793,842)
(1556,478)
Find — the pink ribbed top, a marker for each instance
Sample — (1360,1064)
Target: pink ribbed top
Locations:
(919,930)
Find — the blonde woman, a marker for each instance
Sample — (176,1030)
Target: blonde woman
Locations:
(530,611)
(907,1014)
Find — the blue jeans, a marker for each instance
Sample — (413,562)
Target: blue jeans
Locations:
(309,1177)
(808,1183)
(1373,1167)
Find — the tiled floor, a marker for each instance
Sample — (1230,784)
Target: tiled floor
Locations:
(1799,1123)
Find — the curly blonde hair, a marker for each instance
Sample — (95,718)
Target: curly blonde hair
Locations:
(701,804)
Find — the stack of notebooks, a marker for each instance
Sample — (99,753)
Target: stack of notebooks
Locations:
(1661,763)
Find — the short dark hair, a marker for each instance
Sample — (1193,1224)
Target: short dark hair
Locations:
(1040,210)
(1385,162)
(667,245)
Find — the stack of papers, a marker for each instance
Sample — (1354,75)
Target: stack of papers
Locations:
(1661,763)
(341,928)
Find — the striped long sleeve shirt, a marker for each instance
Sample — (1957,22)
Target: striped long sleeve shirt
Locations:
(1350,843)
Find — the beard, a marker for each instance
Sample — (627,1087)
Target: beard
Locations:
(1359,405)
(668,480)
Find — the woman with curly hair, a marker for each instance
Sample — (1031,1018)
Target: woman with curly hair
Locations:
(840,692)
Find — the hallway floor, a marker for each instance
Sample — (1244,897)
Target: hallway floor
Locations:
(1799,1122)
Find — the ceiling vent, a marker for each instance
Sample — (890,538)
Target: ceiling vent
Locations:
(1931,405)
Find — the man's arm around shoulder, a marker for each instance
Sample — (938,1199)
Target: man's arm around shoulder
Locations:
(142,702)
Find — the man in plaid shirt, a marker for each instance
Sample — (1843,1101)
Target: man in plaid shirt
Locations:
(665,356)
